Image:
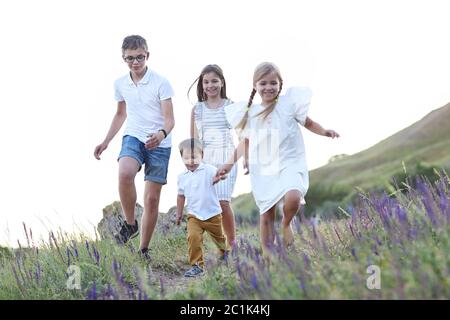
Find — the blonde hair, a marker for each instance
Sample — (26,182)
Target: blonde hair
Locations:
(191,144)
(262,70)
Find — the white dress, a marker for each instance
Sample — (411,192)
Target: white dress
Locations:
(216,135)
(277,160)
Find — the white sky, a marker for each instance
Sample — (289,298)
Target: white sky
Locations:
(375,67)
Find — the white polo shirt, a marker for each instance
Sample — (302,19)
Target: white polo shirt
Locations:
(143,100)
(197,186)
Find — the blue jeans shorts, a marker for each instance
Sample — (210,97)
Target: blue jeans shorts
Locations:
(156,160)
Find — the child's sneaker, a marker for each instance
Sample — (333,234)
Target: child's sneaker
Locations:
(224,258)
(127,232)
(195,271)
(145,255)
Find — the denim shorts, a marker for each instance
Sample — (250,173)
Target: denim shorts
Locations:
(156,160)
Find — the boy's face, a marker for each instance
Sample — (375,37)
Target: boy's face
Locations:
(192,158)
(136,59)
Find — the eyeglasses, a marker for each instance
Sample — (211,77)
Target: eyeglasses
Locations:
(139,58)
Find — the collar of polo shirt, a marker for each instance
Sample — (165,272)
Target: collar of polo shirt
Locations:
(201,166)
(145,80)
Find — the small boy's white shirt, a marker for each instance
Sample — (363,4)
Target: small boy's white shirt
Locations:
(143,101)
(198,189)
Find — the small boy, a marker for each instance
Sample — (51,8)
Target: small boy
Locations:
(203,207)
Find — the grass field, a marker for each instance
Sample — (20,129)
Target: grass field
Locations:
(389,246)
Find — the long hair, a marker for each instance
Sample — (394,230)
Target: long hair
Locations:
(200,93)
(262,70)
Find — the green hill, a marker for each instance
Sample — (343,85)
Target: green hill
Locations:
(427,141)
(418,148)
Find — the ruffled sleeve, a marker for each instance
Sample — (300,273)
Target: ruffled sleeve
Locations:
(235,112)
(300,99)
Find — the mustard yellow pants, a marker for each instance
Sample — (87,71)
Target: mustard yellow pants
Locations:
(196,228)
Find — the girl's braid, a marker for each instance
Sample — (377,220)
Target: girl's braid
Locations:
(244,120)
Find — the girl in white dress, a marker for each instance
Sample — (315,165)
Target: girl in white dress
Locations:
(274,149)
(209,124)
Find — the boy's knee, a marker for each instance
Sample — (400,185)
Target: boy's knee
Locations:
(126,177)
(151,200)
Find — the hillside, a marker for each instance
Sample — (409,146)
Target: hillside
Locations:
(426,141)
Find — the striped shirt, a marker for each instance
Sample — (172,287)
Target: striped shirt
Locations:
(215,133)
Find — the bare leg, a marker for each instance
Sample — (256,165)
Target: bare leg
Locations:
(228,222)
(151,207)
(267,229)
(128,168)
(290,208)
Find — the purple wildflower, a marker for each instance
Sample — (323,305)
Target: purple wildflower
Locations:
(96,255)
(401,215)
(354,254)
(254,281)
(306,260)
(75,249)
(110,294)
(88,249)
(37,272)
(92,294)
(68,253)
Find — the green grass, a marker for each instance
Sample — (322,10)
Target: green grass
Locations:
(407,236)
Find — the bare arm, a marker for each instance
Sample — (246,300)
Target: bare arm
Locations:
(180,208)
(318,129)
(246,164)
(237,154)
(194,132)
(169,122)
(116,124)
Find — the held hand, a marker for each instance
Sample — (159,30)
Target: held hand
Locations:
(223,170)
(154,139)
(332,134)
(218,178)
(99,149)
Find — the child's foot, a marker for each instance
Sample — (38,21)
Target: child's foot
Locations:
(127,232)
(195,271)
(288,236)
(145,255)
(224,258)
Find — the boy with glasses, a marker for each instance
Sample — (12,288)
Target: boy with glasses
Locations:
(144,100)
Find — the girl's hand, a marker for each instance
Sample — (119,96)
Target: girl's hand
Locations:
(331,133)
(224,170)
(218,178)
